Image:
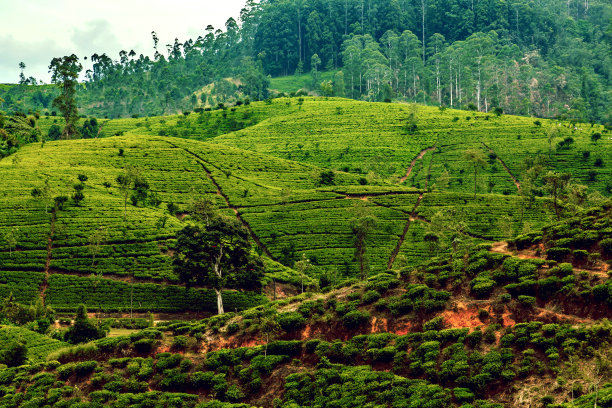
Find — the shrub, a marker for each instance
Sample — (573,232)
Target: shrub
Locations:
(370,296)
(326,178)
(143,346)
(482,287)
(199,379)
(291,321)
(355,319)
(84,368)
(232,328)
(606,246)
(287,348)
(526,301)
(557,253)
(13,354)
(179,343)
(437,323)
(463,394)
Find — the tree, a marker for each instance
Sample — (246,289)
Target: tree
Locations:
(83,329)
(55,132)
(22,78)
(271,329)
(11,240)
(218,256)
(96,239)
(126,181)
(477,159)
(556,184)
(255,82)
(338,84)
(301,267)
(553,133)
(65,73)
(532,168)
(203,210)
(361,227)
(314,64)
(43,194)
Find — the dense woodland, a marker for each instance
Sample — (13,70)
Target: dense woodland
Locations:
(548,58)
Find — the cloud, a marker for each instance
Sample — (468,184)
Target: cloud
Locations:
(96,36)
(36,54)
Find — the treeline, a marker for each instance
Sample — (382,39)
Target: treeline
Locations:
(544,58)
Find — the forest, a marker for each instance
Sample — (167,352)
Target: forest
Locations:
(547,59)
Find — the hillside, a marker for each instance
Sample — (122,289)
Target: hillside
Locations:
(421,195)
(494,328)
(479,281)
(353,136)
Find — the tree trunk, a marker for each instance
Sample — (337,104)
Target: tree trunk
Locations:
(219,302)
(423,27)
(218,272)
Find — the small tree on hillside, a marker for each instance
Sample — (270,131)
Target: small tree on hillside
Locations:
(339,84)
(271,329)
(314,64)
(11,240)
(126,182)
(96,239)
(218,256)
(556,184)
(203,210)
(65,73)
(301,267)
(478,161)
(361,227)
(553,133)
(83,329)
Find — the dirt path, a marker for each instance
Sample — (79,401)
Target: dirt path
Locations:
(516,182)
(501,247)
(413,215)
(220,192)
(412,164)
(45,284)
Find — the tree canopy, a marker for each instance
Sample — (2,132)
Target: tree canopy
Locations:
(217,255)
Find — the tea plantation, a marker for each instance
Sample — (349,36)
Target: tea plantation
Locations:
(299,172)
(484,329)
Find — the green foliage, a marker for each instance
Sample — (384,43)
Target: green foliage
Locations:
(83,330)
(13,353)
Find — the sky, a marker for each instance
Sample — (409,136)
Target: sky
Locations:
(36,31)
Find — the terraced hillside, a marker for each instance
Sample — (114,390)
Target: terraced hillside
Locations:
(496,328)
(416,183)
(380,141)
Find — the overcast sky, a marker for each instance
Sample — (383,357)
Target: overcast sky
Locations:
(36,31)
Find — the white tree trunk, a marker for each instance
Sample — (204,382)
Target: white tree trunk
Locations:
(218,272)
(219,302)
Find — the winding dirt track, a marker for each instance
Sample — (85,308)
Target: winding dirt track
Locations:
(516,182)
(412,164)
(220,192)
